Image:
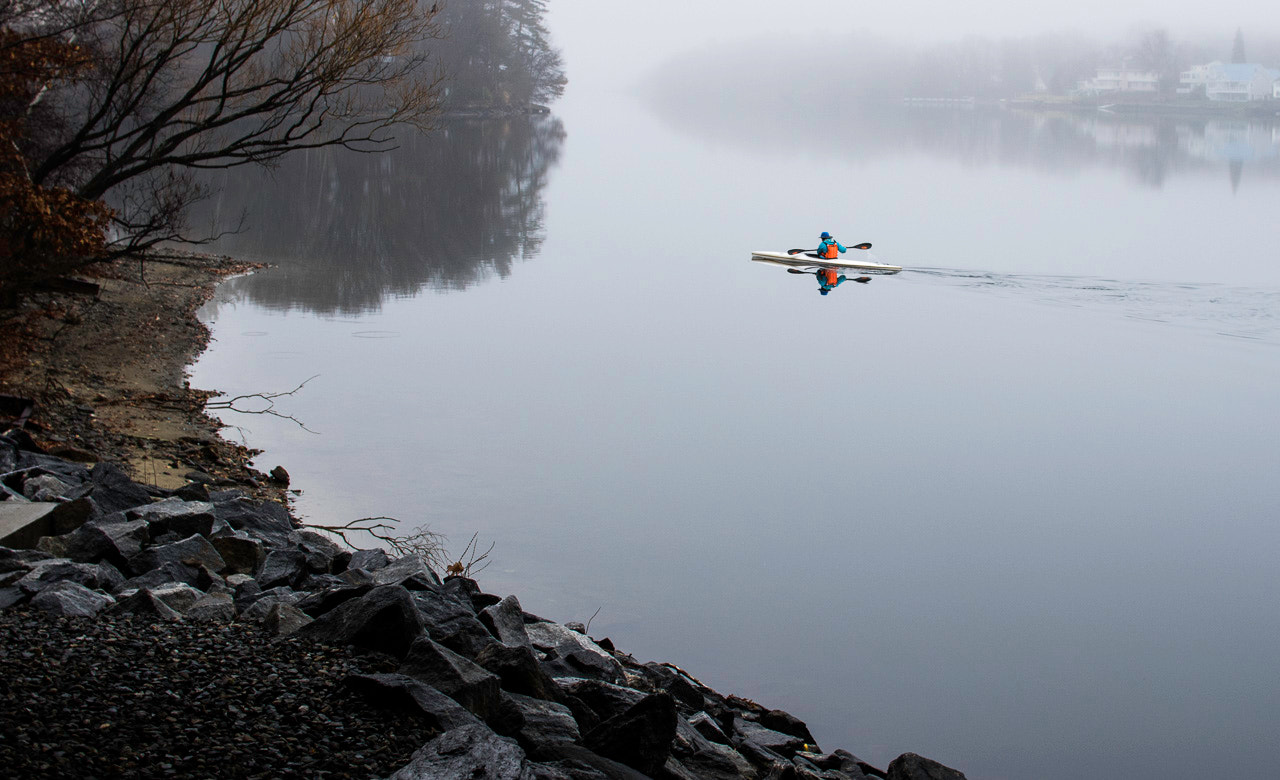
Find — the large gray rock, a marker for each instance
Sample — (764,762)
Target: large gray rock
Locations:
(173,515)
(505,620)
(679,684)
(784,745)
(23,524)
(452,622)
(402,692)
(99,540)
(465,753)
(213,608)
(267,522)
(641,737)
(410,572)
(178,596)
(704,758)
(456,677)
(195,576)
(194,551)
(71,599)
(570,654)
(910,766)
(94,576)
(45,487)
(518,671)
(544,722)
(369,560)
(605,699)
(317,603)
(323,555)
(284,619)
(384,619)
(283,567)
(257,606)
(112,490)
(144,603)
(242,554)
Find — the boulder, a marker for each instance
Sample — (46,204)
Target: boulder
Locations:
(173,515)
(97,540)
(267,522)
(410,572)
(94,576)
(708,728)
(44,487)
(256,606)
(22,524)
(910,766)
(317,603)
(195,576)
(178,596)
(194,551)
(518,671)
(467,752)
(543,722)
(213,608)
(283,619)
(705,758)
(112,490)
(451,622)
(676,682)
(570,654)
(71,599)
(242,554)
(787,723)
(403,693)
(323,555)
(466,683)
(384,619)
(144,604)
(11,595)
(641,737)
(605,699)
(784,745)
(505,620)
(282,567)
(368,560)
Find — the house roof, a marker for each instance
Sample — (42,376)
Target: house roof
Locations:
(1246,71)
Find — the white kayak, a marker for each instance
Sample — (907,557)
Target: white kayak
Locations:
(811,260)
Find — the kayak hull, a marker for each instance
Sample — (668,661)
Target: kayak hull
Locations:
(811,260)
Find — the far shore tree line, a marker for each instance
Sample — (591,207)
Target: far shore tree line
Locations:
(110,108)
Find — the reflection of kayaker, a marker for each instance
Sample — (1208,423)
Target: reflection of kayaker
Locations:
(828,279)
(830,248)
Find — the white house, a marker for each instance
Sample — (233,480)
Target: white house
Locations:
(1121,79)
(1231,82)
(1275,89)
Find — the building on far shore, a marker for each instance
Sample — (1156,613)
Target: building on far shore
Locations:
(1231,82)
(1120,79)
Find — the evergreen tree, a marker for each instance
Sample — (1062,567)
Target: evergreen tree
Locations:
(1237,48)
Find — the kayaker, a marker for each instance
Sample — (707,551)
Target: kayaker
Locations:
(830,248)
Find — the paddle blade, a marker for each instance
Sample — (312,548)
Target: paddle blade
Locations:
(796,271)
(796,251)
(863,279)
(862,246)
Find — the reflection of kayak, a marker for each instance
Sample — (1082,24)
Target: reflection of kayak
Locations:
(811,260)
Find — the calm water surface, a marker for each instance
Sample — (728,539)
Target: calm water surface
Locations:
(1016,509)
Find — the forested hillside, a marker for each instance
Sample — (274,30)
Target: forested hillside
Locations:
(497,53)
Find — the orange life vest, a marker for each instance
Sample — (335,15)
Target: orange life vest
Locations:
(830,250)
(829,277)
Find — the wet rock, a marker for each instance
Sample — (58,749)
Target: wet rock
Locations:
(196,576)
(384,619)
(467,752)
(570,654)
(518,671)
(267,522)
(45,487)
(787,723)
(112,490)
(705,758)
(11,595)
(178,596)
(678,684)
(505,620)
(323,555)
(456,677)
(641,737)
(401,692)
(280,476)
(317,603)
(96,540)
(194,551)
(910,766)
(71,599)
(256,606)
(708,728)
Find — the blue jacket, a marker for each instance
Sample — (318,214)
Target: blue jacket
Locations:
(822,283)
(822,247)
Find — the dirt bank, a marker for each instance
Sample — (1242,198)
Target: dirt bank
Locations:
(107,372)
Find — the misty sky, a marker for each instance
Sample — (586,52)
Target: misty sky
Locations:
(621,39)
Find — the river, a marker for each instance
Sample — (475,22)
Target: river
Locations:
(1016,508)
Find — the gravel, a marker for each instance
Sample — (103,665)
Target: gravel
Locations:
(122,697)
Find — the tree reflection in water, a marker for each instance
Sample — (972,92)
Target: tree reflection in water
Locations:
(445,210)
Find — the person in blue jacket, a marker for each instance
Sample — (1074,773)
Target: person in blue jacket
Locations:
(829,280)
(830,248)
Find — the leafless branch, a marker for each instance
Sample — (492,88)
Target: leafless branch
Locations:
(269,409)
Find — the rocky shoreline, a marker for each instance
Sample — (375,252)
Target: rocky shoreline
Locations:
(195,629)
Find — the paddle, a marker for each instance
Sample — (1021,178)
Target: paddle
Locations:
(860,279)
(798,251)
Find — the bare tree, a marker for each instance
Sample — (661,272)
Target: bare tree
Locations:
(178,85)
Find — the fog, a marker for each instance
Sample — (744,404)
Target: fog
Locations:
(616,42)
